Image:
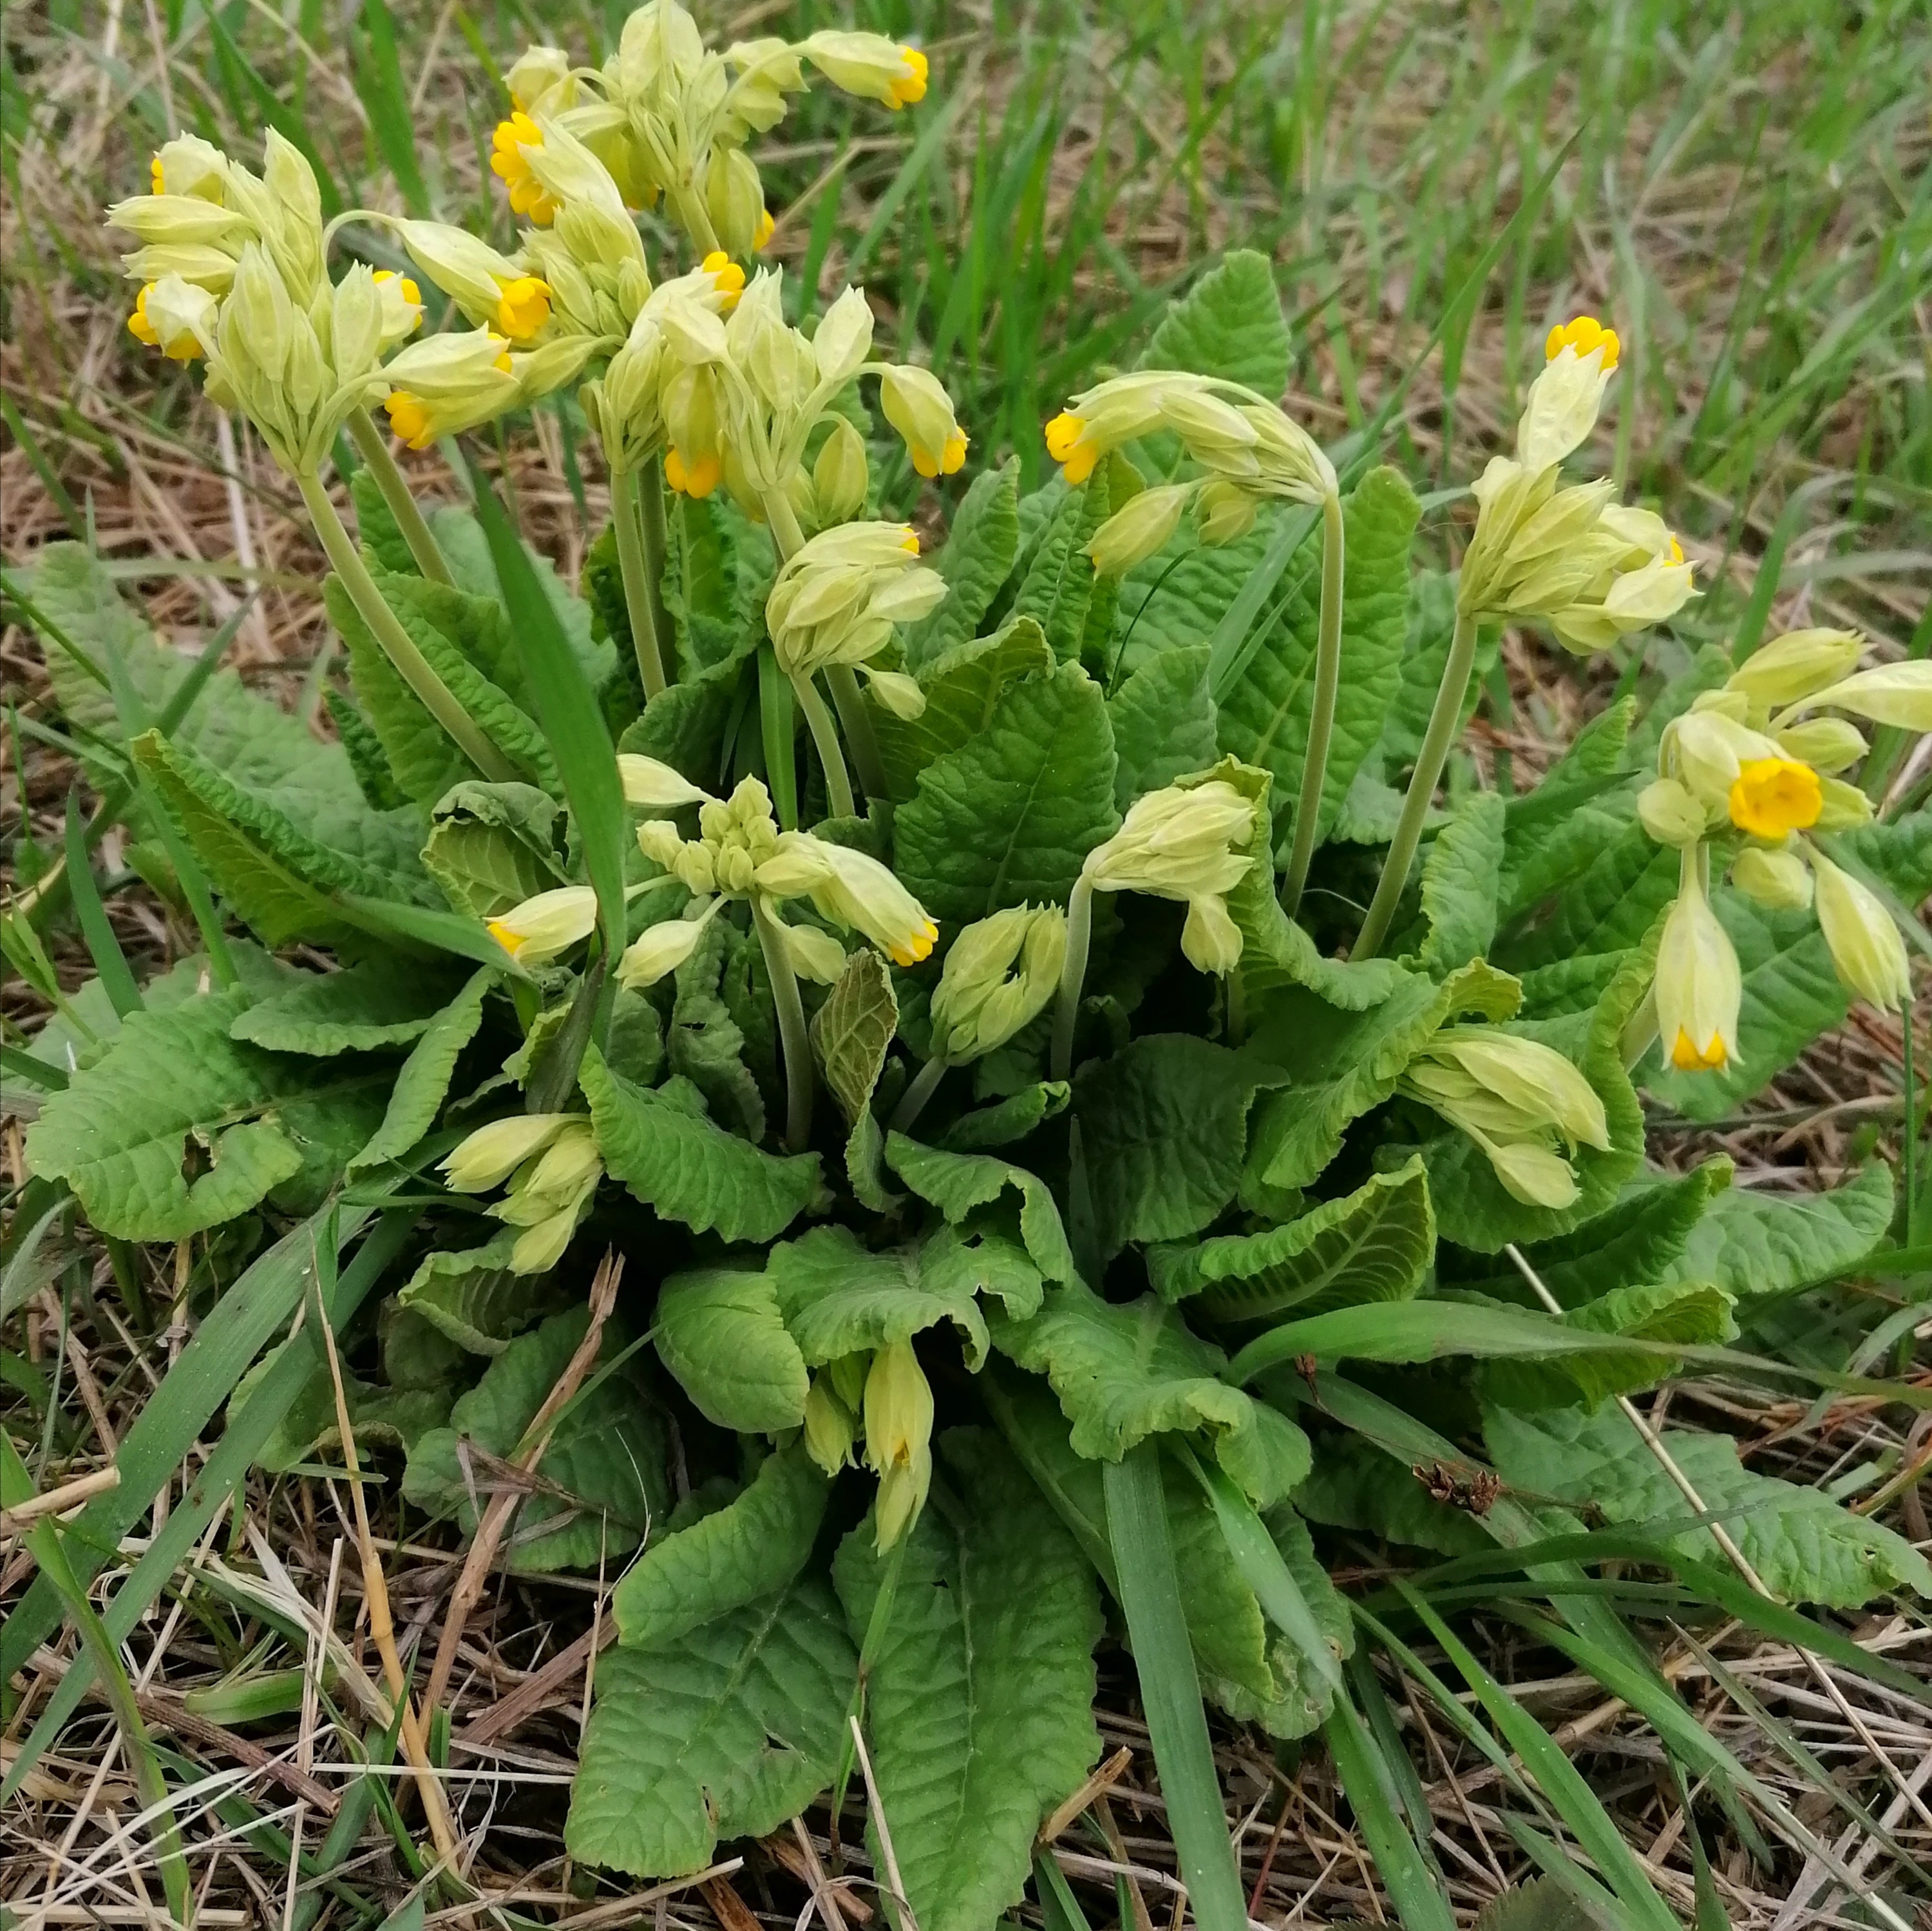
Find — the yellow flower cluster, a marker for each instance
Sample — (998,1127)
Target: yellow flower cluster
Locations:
(1749,769)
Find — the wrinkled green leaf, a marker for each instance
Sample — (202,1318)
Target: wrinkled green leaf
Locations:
(956,1183)
(720,1332)
(975,559)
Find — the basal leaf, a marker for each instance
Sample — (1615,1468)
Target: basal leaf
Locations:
(1807,1547)
(1163,720)
(956,1183)
(1229,324)
(1607,908)
(719,1331)
(492,846)
(471,1298)
(660,1145)
(686,726)
(1006,818)
(1013,1118)
(851,1030)
(1460,880)
(725,1732)
(750,1549)
(962,687)
(975,560)
(1355,1486)
(1174,601)
(423,1083)
(1376,1243)
(357,1010)
(980,1702)
(1163,1128)
(118,1134)
(1753,1242)
(706,1045)
(606,1453)
(1058,587)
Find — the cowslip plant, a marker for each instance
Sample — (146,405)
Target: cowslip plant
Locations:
(1005,1155)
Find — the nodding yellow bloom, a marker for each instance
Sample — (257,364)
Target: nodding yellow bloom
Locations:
(551,922)
(1699,985)
(1772,797)
(1064,444)
(765,225)
(698,477)
(409,417)
(508,161)
(523,308)
(158,180)
(411,293)
(183,347)
(727,277)
(912,86)
(1585,333)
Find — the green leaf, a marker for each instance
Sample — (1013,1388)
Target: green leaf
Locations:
(1163,720)
(1229,324)
(423,1083)
(1694,1312)
(1006,818)
(1357,1487)
(118,1133)
(851,1030)
(1376,1244)
(1163,1128)
(979,1701)
(492,846)
(706,1045)
(956,1183)
(1460,879)
(357,1010)
(1175,600)
(975,559)
(684,726)
(472,1298)
(726,1732)
(1556,831)
(367,758)
(1058,588)
(751,1548)
(1263,714)
(1340,1065)
(1606,908)
(660,1146)
(1804,1546)
(1013,1118)
(383,92)
(1791,993)
(606,1453)
(1368,1783)
(962,687)
(720,1332)
(1755,1243)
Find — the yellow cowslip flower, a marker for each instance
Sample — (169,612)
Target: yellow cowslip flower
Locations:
(859,892)
(450,383)
(898,1438)
(869,65)
(523,308)
(491,1154)
(487,286)
(698,478)
(1000,974)
(766,228)
(831,1428)
(918,407)
(511,165)
(1772,797)
(726,277)
(1868,953)
(1794,667)
(1898,695)
(837,600)
(182,344)
(551,923)
(1584,335)
(1699,986)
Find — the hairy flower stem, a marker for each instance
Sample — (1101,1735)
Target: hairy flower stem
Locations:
(650,484)
(1073,977)
(825,736)
(415,669)
(374,449)
(631,561)
(791,1030)
(1321,717)
(858,723)
(925,1083)
(1443,721)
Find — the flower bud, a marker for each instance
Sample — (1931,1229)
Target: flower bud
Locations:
(180,221)
(401,306)
(1209,940)
(844,337)
(1795,666)
(1700,986)
(1225,511)
(1843,807)
(176,317)
(1776,879)
(812,954)
(869,65)
(1565,399)
(859,893)
(551,922)
(1899,695)
(663,948)
(1535,1174)
(919,408)
(1000,973)
(1868,952)
(838,477)
(1671,815)
(734,197)
(1828,745)
(1177,843)
(898,1438)
(448,383)
(538,1248)
(903,696)
(836,600)
(830,1427)
(654,786)
(1538,1083)
(492,1153)
(560,1175)
(540,77)
(1132,534)
(1772,797)
(189,165)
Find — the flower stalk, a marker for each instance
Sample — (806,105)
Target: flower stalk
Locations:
(859,736)
(926,1084)
(792,1034)
(651,526)
(415,669)
(825,736)
(1072,974)
(373,449)
(635,567)
(1321,717)
(1443,722)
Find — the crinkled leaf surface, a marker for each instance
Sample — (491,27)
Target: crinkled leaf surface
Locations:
(719,1331)
(975,559)
(751,1548)
(979,1703)
(1460,879)
(851,1030)
(423,1083)
(725,1732)
(1753,1242)
(1163,720)
(1012,1119)
(492,846)
(388,1003)
(1806,1546)
(472,1298)
(962,685)
(956,1183)
(1229,324)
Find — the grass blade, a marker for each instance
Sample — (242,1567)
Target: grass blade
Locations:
(1149,1591)
(1370,1787)
(387,99)
(117,976)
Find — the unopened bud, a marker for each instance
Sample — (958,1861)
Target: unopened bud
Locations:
(838,477)
(1778,880)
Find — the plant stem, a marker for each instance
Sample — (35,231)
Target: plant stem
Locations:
(1321,717)
(791,1030)
(782,521)
(1443,721)
(924,1084)
(650,484)
(825,736)
(1073,975)
(369,440)
(397,644)
(858,732)
(631,561)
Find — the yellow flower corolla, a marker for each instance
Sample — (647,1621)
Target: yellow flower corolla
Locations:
(911,86)
(508,162)
(698,477)
(1699,985)
(523,308)
(727,277)
(1772,797)
(766,226)
(1064,444)
(1583,334)
(182,348)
